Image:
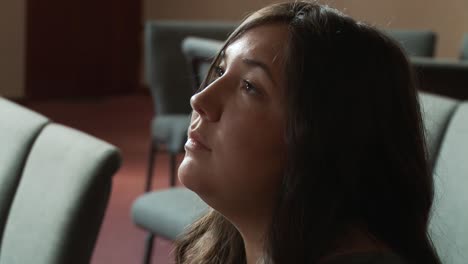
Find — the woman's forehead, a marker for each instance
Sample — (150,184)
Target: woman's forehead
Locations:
(264,42)
(263,47)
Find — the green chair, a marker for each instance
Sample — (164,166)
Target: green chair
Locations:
(55,184)
(447,126)
(170,84)
(442,76)
(416,43)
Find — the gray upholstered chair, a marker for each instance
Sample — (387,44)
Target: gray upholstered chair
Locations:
(416,43)
(169,82)
(446,122)
(199,53)
(167,212)
(19,129)
(55,184)
(171,88)
(464,48)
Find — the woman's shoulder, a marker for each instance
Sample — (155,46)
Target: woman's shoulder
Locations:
(367,258)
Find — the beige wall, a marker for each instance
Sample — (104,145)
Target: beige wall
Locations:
(201,9)
(12,48)
(446,17)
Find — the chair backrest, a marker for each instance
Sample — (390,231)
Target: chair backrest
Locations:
(436,113)
(444,77)
(416,43)
(449,223)
(19,128)
(63,183)
(165,65)
(199,53)
(464,48)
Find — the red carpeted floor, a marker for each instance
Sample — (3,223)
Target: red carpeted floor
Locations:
(122,121)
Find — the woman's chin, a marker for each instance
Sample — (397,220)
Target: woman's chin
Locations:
(190,174)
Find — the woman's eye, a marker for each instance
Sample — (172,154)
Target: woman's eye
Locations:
(219,71)
(249,87)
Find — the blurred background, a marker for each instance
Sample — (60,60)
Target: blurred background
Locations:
(81,63)
(52,48)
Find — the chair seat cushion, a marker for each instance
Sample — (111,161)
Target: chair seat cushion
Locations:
(167,213)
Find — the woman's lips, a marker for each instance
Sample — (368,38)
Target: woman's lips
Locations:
(195,142)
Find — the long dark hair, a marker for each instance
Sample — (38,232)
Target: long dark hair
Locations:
(356,148)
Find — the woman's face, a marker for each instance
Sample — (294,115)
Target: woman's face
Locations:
(235,152)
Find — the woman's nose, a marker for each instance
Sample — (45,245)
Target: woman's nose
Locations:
(207,103)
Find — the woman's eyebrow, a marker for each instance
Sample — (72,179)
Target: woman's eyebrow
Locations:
(261,65)
(252,63)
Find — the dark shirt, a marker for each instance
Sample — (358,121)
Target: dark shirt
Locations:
(367,258)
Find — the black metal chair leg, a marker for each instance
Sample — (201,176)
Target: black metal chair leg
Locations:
(172,170)
(149,175)
(148,248)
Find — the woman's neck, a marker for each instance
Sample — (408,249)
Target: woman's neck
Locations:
(253,252)
(253,230)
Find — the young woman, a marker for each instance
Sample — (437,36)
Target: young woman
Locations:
(306,141)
